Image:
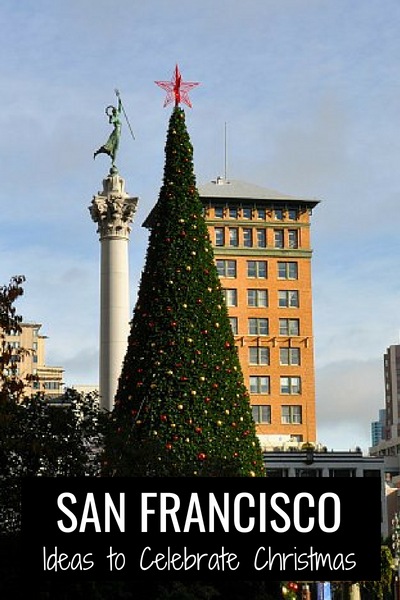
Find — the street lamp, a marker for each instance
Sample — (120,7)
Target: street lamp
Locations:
(396,550)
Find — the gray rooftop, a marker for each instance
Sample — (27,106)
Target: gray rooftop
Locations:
(240,190)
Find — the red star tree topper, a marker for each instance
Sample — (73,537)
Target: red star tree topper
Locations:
(177,89)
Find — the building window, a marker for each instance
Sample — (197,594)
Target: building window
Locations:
(308,472)
(292,214)
(291,414)
(257,269)
(289,327)
(257,298)
(226,268)
(279,239)
(233,236)
(219,236)
(258,326)
(34,358)
(35,385)
(51,385)
(278,214)
(288,299)
(246,212)
(342,473)
(261,214)
(234,325)
(261,413)
(219,212)
(14,344)
(287,270)
(289,356)
(261,238)
(230,297)
(258,355)
(233,212)
(35,332)
(247,238)
(290,385)
(259,384)
(293,238)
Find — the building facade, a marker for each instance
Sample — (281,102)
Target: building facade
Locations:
(389,444)
(30,366)
(262,247)
(318,462)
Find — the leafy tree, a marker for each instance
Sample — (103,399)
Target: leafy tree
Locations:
(11,386)
(181,391)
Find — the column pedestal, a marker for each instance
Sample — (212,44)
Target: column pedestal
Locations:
(113,211)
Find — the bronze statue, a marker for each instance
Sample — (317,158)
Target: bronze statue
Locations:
(111,145)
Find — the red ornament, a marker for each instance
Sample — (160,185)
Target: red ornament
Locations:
(168,446)
(177,89)
(163,418)
(198,430)
(201,456)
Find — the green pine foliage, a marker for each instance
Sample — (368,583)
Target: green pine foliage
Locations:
(182,407)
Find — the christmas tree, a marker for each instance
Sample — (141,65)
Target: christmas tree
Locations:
(181,399)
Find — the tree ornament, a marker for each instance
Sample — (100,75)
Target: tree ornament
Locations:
(201,456)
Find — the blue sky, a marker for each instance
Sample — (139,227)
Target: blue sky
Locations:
(310,93)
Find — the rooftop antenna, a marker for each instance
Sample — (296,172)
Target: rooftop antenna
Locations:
(225,154)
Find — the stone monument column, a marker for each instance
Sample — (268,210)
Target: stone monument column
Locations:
(113,211)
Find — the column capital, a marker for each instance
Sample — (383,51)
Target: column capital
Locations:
(112,208)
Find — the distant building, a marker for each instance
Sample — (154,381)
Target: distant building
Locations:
(262,249)
(31,366)
(378,428)
(389,444)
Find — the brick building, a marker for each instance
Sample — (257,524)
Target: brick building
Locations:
(262,248)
